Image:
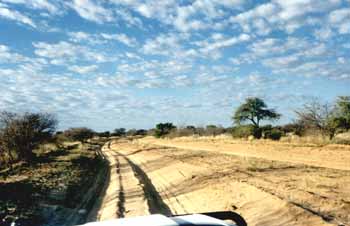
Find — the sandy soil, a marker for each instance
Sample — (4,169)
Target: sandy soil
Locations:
(331,156)
(270,185)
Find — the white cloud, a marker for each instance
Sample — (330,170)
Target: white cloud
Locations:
(123,38)
(62,52)
(37,4)
(154,69)
(15,16)
(129,18)
(182,22)
(83,69)
(90,10)
(323,33)
(150,8)
(182,80)
(340,19)
(281,15)
(298,8)
(316,50)
(341,60)
(132,55)
(273,46)
(7,56)
(339,15)
(225,43)
(186,16)
(164,44)
(84,38)
(209,78)
(79,36)
(61,49)
(281,62)
(195,15)
(249,19)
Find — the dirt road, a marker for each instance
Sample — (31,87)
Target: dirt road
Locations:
(148,178)
(330,156)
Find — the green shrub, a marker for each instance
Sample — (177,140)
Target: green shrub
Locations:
(243,131)
(163,129)
(273,134)
(81,134)
(257,132)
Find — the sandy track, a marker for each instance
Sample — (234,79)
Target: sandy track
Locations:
(158,179)
(128,191)
(331,156)
(123,195)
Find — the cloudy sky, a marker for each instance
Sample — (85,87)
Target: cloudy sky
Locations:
(133,63)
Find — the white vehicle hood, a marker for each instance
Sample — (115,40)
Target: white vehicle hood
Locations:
(160,220)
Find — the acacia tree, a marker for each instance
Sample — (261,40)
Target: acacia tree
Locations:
(254,110)
(22,133)
(163,129)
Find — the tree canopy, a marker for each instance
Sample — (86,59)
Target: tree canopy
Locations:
(22,133)
(163,129)
(254,110)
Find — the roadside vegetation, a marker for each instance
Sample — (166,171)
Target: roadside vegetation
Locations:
(314,122)
(46,175)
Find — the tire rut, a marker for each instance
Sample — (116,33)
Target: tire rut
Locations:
(154,200)
(121,201)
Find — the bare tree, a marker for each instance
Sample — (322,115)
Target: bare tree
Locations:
(319,116)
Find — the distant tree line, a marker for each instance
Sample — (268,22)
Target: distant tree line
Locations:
(21,134)
(322,118)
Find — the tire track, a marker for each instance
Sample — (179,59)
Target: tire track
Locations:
(154,200)
(121,201)
(107,206)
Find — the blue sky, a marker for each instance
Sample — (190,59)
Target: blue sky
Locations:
(133,63)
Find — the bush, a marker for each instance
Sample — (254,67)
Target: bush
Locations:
(119,132)
(213,130)
(181,132)
(163,129)
(104,134)
(296,128)
(273,134)
(266,132)
(243,131)
(20,134)
(81,134)
(257,132)
(136,132)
